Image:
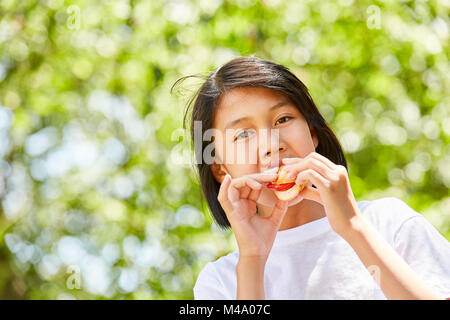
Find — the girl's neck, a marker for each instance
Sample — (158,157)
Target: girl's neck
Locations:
(303,212)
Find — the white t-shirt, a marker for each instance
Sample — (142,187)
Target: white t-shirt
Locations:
(313,262)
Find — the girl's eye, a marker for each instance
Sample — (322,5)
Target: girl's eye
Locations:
(243,134)
(283,118)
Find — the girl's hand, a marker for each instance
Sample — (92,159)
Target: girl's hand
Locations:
(333,189)
(254,234)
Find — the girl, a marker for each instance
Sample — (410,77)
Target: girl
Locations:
(323,244)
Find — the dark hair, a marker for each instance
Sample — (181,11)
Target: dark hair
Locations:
(252,72)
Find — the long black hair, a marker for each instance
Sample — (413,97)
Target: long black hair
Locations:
(251,72)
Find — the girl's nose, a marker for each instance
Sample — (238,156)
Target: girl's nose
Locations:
(269,153)
(272,159)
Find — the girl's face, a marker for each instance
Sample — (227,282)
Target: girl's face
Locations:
(255,129)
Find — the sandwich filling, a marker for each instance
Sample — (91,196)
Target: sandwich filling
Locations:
(281,186)
(285,189)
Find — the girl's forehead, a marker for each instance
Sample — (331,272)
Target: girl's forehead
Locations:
(237,96)
(245,101)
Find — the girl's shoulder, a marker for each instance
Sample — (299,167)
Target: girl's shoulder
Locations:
(388,214)
(391,207)
(215,279)
(227,262)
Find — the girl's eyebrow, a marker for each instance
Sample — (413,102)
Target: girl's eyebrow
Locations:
(236,121)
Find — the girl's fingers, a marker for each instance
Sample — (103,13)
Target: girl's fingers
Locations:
(243,187)
(278,212)
(254,194)
(315,178)
(245,192)
(222,197)
(273,170)
(324,160)
(265,177)
(234,193)
(310,163)
(245,181)
(314,155)
(246,187)
(311,194)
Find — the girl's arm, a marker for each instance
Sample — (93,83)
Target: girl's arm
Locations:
(333,191)
(250,278)
(254,234)
(394,276)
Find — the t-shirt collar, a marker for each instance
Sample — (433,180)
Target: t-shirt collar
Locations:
(288,237)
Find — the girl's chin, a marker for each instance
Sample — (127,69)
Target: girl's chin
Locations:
(296,200)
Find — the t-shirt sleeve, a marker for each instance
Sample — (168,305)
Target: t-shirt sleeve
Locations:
(426,251)
(208,285)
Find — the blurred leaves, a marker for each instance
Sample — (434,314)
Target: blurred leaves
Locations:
(89,181)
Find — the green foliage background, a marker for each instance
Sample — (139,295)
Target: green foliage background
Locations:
(91,137)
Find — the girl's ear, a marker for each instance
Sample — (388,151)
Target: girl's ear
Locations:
(314,136)
(218,171)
